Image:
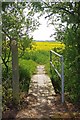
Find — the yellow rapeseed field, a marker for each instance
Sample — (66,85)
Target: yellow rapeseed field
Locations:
(47,45)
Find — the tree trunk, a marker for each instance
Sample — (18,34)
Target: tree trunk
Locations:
(15,71)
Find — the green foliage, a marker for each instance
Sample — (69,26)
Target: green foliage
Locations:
(26,69)
(71,73)
(6,75)
(40,57)
(71,55)
(68,12)
(47,68)
(56,81)
(6,94)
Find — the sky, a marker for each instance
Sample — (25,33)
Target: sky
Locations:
(44,31)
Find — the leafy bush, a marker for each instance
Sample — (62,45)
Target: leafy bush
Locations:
(6,93)
(72,86)
(26,69)
(56,81)
(6,75)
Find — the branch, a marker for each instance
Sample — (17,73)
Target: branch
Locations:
(6,34)
(49,15)
(60,8)
(9,44)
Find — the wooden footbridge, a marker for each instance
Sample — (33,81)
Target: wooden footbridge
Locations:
(42,97)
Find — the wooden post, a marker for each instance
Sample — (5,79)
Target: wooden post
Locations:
(15,71)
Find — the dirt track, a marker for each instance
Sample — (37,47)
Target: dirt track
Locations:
(43,102)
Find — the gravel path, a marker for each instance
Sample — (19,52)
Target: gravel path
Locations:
(42,100)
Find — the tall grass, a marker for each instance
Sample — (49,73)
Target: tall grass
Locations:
(26,69)
(39,56)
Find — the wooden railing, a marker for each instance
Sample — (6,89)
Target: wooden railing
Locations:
(61,75)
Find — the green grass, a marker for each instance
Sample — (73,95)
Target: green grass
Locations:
(39,56)
(26,69)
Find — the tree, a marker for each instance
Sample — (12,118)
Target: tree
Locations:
(14,23)
(68,12)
